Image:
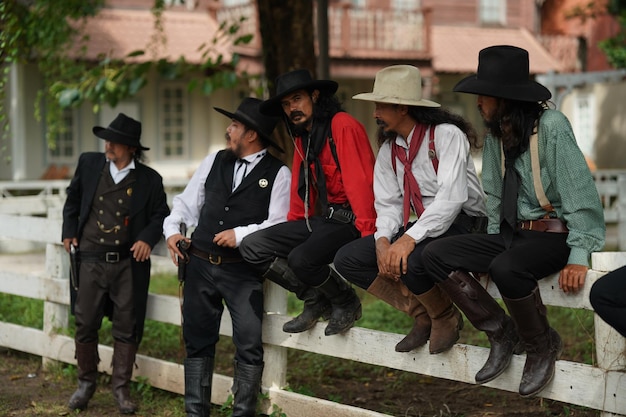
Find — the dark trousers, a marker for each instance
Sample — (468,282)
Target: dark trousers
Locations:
(99,283)
(515,271)
(608,298)
(308,253)
(357,262)
(207,288)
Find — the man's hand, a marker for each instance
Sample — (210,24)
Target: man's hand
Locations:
(382,248)
(572,277)
(398,254)
(69,240)
(141,251)
(173,249)
(226,238)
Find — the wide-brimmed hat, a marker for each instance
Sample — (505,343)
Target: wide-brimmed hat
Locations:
(249,114)
(122,129)
(293,81)
(503,71)
(398,84)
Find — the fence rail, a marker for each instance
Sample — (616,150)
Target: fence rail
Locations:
(599,387)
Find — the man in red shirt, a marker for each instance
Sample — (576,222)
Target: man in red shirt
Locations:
(331,204)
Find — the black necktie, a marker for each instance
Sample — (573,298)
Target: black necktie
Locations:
(508,209)
(240,173)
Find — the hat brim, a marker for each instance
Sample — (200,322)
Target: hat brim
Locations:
(395,100)
(272,107)
(111,136)
(241,117)
(530,91)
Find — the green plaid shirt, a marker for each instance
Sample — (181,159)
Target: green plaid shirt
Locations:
(566,180)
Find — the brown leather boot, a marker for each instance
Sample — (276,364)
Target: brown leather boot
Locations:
(87,361)
(543,344)
(446,320)
(123,362)
(485,314)
(397,295)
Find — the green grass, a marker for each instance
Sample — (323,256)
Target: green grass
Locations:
(306,371)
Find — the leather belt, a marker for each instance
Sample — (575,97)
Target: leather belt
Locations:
(108,257)
(214,258)
(543,225)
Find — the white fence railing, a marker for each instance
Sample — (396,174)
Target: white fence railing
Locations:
(598,387)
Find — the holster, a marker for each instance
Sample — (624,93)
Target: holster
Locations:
(74,267)
(182,246)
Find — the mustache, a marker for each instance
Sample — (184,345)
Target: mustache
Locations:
(295,113)
(380,123)
(227,136)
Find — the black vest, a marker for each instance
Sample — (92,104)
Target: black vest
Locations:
(224,209)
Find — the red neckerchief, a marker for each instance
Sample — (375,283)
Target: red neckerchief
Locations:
(412,193)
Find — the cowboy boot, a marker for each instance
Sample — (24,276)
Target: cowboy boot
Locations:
(198,381)
(446,320)
(246,389)
(543,344)
(87,360)
(397,295)
(123,361)
(346,305)
(316,306)
(486,315)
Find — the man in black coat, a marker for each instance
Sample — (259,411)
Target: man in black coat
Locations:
(114,213)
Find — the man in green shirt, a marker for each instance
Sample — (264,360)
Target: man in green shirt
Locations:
(544,212)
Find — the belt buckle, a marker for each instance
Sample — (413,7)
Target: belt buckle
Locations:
(112,257)
(216,261)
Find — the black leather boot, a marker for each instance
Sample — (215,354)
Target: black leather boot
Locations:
(542,343)
(87,361)
(485,314)
(198,383)
(316,306)
(246,389)
(123,362)
(346,305)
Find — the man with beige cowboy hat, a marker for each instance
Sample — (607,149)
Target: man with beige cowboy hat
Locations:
(423,167)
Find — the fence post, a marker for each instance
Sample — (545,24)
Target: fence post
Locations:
(621,212)
(55,316)
(275,357)
(610,345)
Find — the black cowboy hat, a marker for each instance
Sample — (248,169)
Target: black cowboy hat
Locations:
(503,71)
(248,113)
(293,81)
(122,129)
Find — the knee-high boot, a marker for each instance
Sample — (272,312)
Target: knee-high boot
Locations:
(397,295)
(246,389)
(316,306)
(198,382)
(542,343)
(123,362)
(446,320)
(346,304)
(87,361)
(485,314)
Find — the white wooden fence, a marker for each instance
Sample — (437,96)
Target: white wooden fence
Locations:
(600,387)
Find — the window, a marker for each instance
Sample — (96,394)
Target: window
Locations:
(66,144)
(173,121)
(233,3)
(493,11)
(405,5)
(584,123)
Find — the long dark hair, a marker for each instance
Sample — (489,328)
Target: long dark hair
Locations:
(436,116)
(514,122)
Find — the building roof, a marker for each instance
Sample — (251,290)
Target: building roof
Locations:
(118,32)
(455,48)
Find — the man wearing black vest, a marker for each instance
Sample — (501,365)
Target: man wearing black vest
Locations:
(114,213)
(233,193)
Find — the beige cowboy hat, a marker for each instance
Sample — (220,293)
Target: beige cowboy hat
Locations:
(398,84)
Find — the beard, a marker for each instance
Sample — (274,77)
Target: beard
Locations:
(383,135)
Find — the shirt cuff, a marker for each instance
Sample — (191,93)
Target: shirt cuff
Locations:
(578,256)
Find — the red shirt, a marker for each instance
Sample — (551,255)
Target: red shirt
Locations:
(353,184)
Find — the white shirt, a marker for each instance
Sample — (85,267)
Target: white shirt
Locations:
(188,204)
(453,188)
(119,174)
